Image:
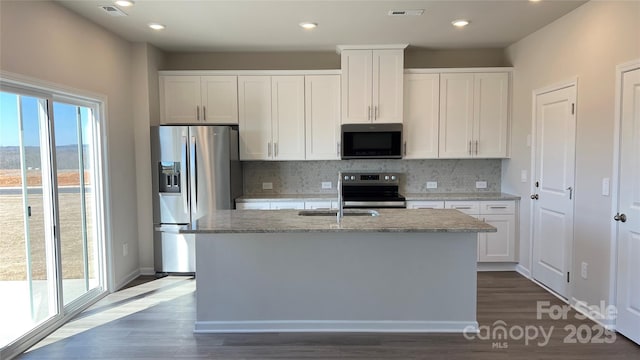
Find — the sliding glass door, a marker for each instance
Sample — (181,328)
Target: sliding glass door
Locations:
(51,210)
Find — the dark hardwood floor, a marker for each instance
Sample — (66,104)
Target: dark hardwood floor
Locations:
(154,320)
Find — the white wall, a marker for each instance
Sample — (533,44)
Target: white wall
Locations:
(146,62)
(43,40)
(587,43)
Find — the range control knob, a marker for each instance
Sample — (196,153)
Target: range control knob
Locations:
(353,178)
(346,178)
(386,177)
(393,177)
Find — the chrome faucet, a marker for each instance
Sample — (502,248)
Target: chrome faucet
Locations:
(340,212)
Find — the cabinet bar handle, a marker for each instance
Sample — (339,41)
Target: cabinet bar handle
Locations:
(204,113)
(369,112)
(497,207)
(269,149)
(375,116)
(405,148)
(338,149)
(469,147)
(476,147)
(275,149)
(197,113)
(462,207)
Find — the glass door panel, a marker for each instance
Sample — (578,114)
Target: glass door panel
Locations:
(76,199)
(26,239)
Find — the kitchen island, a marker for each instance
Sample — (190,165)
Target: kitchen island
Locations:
(276,271)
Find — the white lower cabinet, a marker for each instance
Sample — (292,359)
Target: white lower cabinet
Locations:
(320,204)
(492,247)
(271,205)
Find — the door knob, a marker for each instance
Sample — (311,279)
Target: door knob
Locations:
(620,217)
(534,197)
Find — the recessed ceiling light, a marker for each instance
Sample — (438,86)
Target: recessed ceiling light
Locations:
(308,25)
(124,3)
(460,23)
(156,26)
(534,0)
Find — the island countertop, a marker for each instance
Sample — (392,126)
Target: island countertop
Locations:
(288,221)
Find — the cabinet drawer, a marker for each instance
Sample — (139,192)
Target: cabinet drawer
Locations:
(497,207)
(425,204)
(311,205)
(467,207)
(253,205)
(287,205)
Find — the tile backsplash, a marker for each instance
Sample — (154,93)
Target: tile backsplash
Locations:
(306,177)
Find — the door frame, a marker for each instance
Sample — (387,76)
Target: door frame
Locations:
(573,81)
(615,182)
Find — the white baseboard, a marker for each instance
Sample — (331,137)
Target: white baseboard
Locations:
(147,271)
(335,326)
(593,315)
(497,266)
(523,271)
(127,279)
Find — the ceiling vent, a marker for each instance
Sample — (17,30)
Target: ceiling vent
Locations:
(112,10)
(406,12)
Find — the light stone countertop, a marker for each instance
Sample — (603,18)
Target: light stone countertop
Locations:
(492,196)
(288,221)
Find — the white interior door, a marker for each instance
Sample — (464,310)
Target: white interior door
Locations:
(554,173)
(628,281)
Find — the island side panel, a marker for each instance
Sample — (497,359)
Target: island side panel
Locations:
(417,282)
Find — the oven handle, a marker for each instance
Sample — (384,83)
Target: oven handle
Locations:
(375,204)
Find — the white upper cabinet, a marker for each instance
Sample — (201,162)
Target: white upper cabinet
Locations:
(474,118)
(191,99)
(254,109)
(271,117)
(322,117)
(219,99)
(421,110)
(372,86)
(287,121)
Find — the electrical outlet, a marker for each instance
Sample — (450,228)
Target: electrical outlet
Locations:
(481,184)
(583,270)
(125,249)
(327,185)
(267,186)
(432,184)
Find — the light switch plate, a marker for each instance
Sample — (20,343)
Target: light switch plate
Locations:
(605,187)
(327,185)
(481,184)
(267,186)
(432,184)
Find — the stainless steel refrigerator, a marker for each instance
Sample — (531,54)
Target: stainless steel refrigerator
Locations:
(196,170)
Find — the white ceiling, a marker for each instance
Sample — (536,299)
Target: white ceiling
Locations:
(243,25)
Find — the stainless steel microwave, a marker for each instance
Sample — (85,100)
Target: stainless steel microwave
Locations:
(372,141)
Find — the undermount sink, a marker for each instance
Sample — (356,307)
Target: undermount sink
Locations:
(346,212)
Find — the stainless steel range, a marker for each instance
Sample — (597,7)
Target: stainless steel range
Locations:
(371,190)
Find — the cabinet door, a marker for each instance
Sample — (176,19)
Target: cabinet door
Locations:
(219,99)
(356,86)
(254,110)
(179,99)
(421,111)
(287,117)
(456,115)
(491,119)
(387,89)
(322,117)
(498,246)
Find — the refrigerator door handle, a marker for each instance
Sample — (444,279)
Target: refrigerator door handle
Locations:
(184,179)
(193,175)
